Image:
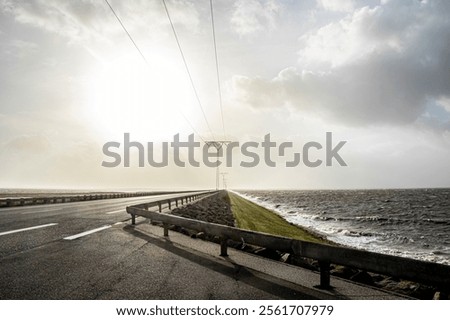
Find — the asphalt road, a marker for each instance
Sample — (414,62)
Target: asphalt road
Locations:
(24,228)
(89,250)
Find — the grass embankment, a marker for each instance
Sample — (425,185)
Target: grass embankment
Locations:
(251,216)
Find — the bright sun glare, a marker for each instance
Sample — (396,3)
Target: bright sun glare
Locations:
(130,96)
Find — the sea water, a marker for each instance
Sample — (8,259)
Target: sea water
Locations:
(412,223)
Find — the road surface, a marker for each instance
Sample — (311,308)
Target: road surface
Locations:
(89,250)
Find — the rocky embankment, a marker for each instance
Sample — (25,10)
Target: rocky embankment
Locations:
(214,209)
(217,209)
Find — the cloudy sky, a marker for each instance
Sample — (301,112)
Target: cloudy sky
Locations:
(374,73)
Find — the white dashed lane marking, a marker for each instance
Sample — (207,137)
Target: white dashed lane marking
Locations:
(28,229)
(79,235)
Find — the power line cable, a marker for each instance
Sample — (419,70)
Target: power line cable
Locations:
(145,60)
(192,127)
(126,31)
(187,68)
(217,67)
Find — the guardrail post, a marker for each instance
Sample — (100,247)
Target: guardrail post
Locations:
(166,229)
(324,275)
(176,202)
(159,206)
(133,219)
(170,206)
(224,247)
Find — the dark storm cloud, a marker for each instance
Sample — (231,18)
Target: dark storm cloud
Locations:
(376,65)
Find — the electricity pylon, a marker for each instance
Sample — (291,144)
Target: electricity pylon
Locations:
(218,144)
(224,180)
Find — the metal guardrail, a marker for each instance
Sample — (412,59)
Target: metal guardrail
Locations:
(434,274)
(27,201)
(168,203)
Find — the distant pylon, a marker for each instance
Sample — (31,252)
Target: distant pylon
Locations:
(224,180)
(218,144)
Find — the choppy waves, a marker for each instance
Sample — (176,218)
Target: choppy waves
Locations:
(411,223)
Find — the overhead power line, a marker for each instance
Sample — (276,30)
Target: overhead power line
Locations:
(126,31)
(145,60)
(192,127)
(187,68)
(217,67)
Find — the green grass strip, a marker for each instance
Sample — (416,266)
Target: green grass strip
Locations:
(251,216)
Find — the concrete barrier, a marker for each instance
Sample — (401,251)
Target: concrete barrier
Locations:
(429,273)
